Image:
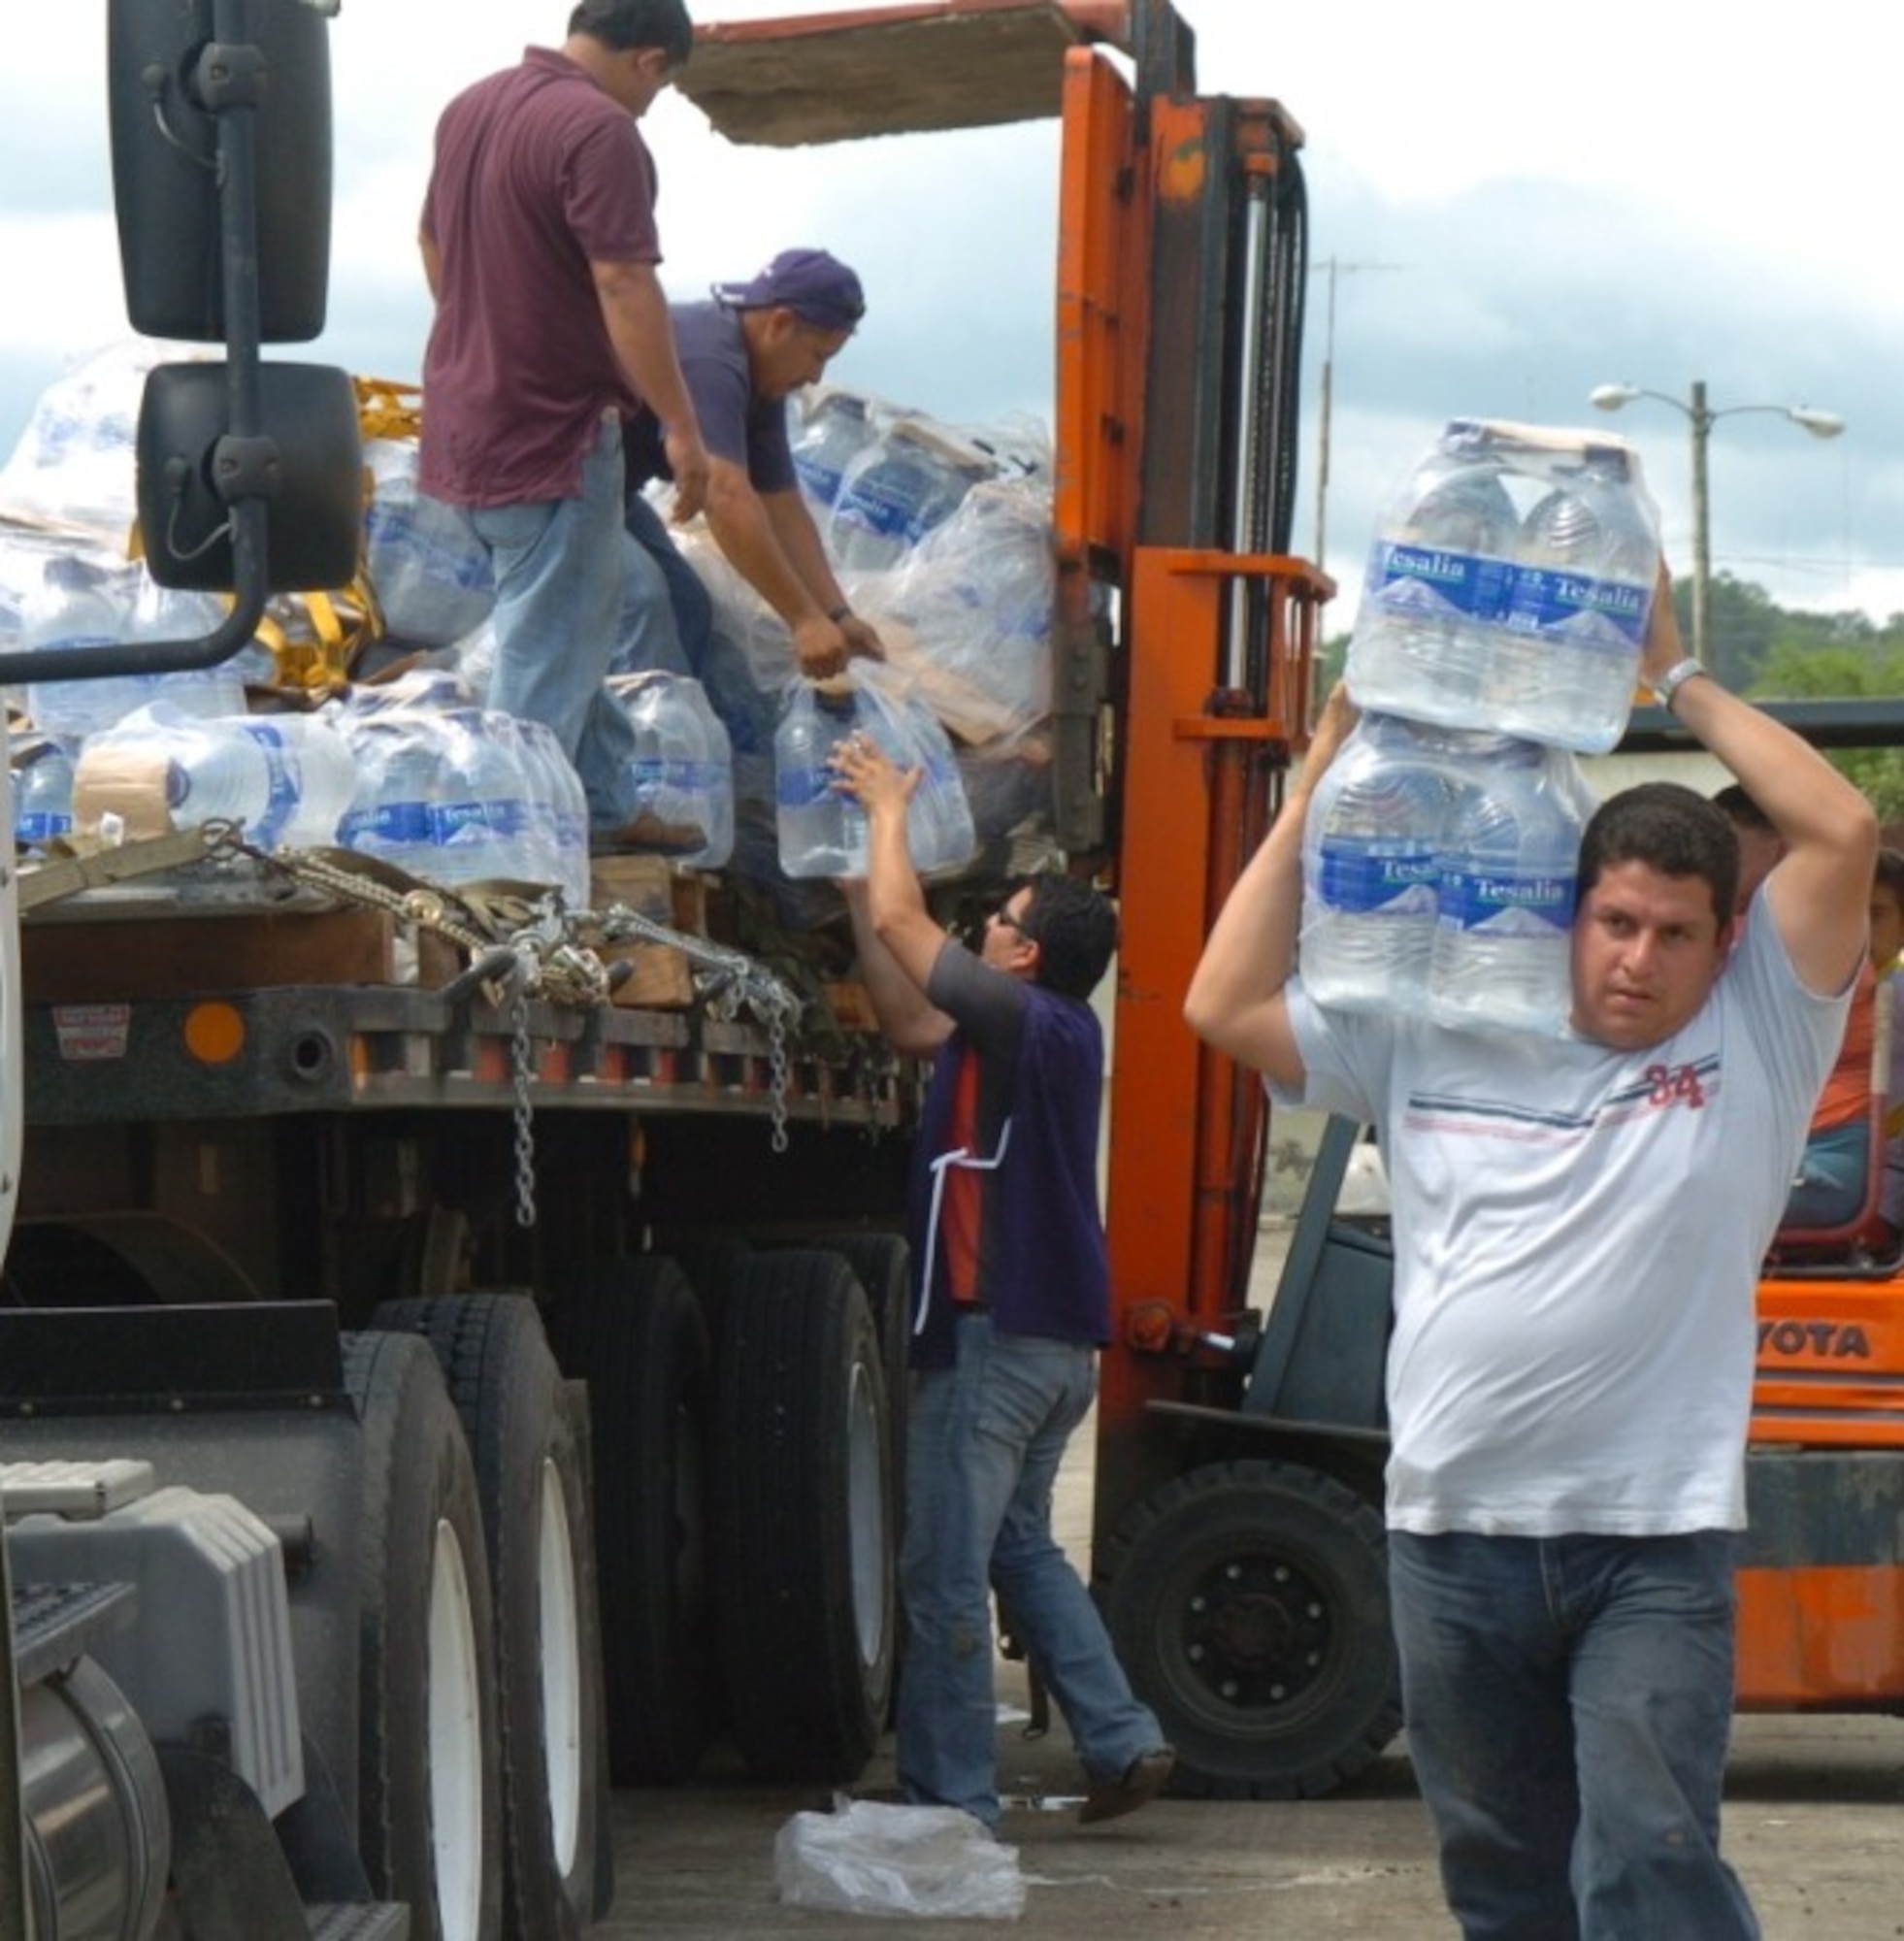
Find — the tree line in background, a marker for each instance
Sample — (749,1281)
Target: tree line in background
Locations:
(1773,654)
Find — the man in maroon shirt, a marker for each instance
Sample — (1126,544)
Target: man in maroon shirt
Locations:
(551,326)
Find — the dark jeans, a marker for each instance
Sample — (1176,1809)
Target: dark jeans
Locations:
(1568,1704)
(749,715)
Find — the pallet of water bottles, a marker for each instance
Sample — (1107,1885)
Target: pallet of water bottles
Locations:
(1498,636)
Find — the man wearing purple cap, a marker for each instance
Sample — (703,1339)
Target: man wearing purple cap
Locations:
(539,241)
(742,355)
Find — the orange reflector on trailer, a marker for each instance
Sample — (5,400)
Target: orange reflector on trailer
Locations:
(214,1032)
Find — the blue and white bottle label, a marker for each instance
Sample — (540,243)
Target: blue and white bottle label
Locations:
(1577,608)
(1497,903)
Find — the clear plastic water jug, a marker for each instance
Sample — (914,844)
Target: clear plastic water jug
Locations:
(1509,586)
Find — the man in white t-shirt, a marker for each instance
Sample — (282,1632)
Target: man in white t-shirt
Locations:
(1578,1227)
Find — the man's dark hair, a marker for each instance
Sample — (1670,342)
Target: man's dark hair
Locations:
(1075,930)
(1672,829)
(622,24)
(1740,811)
(1889,873)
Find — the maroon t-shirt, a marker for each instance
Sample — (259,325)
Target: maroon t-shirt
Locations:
(537,172)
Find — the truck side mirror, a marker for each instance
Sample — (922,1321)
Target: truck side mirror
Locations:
(306,464)
(170,79)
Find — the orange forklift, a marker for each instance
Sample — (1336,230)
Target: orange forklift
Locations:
(1237,1537)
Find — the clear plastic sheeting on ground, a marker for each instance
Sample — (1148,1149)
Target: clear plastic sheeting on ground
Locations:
(866,1857)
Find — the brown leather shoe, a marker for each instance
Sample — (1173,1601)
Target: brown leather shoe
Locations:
(1140,1782)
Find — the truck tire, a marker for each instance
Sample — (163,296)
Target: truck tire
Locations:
(429,1810)
(1248,1603)
(531,1484)
(803,1571)
(882,1264)
(633,1329)
(712,1264)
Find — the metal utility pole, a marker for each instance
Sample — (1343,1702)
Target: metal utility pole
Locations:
(1335,268)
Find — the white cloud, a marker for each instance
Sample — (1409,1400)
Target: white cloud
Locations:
(1633,192)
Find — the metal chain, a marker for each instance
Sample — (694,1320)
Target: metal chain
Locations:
(522,1060)
(731,984)
(551,965)
(420,905)
(778,1070)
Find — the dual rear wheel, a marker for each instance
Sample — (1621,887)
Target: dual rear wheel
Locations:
(746,1499)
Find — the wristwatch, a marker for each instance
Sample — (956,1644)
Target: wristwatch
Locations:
(1664,686)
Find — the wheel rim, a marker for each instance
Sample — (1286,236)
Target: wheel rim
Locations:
(1256,1633)
(561,1672)
(867,1506)
(455,1704)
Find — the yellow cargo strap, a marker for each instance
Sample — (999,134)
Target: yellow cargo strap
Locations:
(94,869)
(387,408)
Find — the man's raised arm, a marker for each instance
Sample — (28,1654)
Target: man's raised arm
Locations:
(1819,892)
(1237,1000)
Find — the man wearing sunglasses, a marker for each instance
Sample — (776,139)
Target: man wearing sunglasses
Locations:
(1012,1303)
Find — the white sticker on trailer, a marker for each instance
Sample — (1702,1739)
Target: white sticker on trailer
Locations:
(89,1032)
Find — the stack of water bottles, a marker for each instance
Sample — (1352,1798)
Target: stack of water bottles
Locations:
(452,793)
(77,603)
(878,480)
(681,774)
(822,830)
(1498,637)
(287,778)
(836,427)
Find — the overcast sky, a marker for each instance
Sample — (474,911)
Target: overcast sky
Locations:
(1521,203)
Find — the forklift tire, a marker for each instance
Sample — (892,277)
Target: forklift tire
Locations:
(430,1821)
(533,1490)
(1248,1603)
(803,1562)
(631,1329)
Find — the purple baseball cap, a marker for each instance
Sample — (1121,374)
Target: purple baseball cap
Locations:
(816,288)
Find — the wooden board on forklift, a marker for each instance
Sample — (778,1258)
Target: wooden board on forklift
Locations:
(168,955)
(891,70)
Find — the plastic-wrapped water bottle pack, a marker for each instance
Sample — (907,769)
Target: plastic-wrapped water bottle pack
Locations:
(1439,868)
(1509,586)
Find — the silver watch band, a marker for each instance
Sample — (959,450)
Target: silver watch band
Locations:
(1674,678)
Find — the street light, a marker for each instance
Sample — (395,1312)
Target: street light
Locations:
(1701,417)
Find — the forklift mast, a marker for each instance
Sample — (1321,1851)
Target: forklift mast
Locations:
(1181,280)
(1185,636)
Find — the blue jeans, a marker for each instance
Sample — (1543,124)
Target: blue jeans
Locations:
(1568,1704)
(749,713)
(694,604)
(569,584)
(1834,1174)
(985,1440)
